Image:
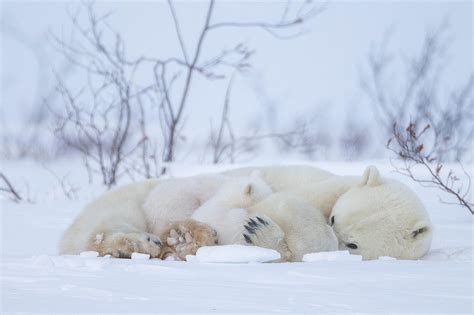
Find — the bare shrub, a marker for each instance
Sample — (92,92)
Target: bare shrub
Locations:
(354,139)
(9,190)
(413,95)
(308,136)
(227,146)
(410,146)
(215,67)
(104,121)
(113,133)
(24,136)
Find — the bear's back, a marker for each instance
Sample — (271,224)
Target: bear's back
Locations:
(284,178)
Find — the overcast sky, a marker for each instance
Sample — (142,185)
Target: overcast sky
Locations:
(320,68)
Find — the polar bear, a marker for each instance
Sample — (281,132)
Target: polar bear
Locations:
(113,224)
(281,221)
(132,218)
(371,216)
(293,227)
(178,198)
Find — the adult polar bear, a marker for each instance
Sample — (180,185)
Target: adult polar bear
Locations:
(371,216)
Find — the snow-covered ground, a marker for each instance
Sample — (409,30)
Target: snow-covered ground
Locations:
(35,279)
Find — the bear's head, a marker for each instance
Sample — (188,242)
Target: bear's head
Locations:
(241,192)
(381,217)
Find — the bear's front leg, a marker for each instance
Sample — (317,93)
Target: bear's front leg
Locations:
(263,232)
(123,244)
(185,237)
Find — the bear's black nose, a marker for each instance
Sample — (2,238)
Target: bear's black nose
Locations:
(351,245)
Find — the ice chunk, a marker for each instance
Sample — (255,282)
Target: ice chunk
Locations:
(89,254)
(140,256)
(342,255)
(234,254)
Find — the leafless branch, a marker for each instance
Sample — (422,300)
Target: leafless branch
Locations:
(69,190)
(409,146)
(112,134)
(236,59)
(419,100)
(99,121)
(9,190)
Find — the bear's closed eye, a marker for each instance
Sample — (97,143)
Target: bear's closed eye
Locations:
(419,231)
(332,220)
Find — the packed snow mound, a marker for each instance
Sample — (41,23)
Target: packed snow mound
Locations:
(234,254)
(342,255)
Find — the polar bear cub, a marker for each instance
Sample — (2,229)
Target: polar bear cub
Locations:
(303,227)
(178,199)
(136,217)
(281,221)
(220,209)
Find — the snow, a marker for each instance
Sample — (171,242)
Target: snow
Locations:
(342,255)
(89,254)
(234,254)
(140,256)
(34,279)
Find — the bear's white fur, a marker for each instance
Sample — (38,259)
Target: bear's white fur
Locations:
(117,212)
(280,221)
(304,227)
(178,198)
(133,217)
(381,217)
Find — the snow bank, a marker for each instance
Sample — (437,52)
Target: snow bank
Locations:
(342,255)
(234,254)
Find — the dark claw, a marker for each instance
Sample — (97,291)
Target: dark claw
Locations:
(247,239)
(262,221)
(253,223)
(250,229)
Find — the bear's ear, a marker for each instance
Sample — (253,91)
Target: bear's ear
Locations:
(248,189)
(420,229)
(371,177)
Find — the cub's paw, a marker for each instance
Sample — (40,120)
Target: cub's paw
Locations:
(185,237)
(263,232)
(122,245)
